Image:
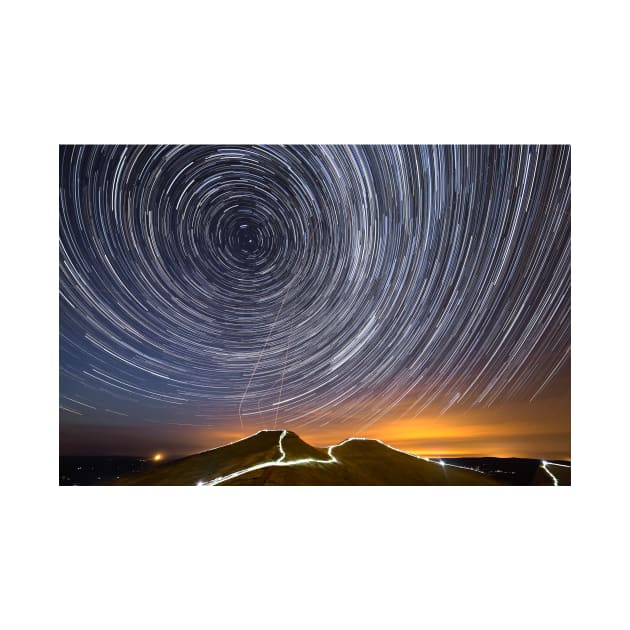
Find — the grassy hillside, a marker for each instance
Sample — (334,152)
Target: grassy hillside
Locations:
(282,458)
(217,462)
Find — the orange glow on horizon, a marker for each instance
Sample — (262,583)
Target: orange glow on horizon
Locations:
(529,430)
(538,430)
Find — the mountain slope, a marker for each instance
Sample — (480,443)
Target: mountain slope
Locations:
(282,458)
(364,463)
(223,460)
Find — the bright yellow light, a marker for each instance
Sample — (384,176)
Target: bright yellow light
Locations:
(157,457)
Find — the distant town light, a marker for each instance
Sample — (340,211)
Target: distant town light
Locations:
(157,457)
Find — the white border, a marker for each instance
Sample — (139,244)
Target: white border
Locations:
(158,72)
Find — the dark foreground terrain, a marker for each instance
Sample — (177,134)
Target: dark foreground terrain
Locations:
(90,471)
(282,458)
(518,472)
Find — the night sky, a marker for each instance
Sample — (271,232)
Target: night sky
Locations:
(416,294)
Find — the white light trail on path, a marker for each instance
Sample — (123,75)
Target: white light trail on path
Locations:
(281,461)
(544,465)
(425,459)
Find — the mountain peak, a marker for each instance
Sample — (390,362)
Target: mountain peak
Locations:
(281,457)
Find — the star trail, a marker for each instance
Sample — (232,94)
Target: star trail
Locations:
(250,287)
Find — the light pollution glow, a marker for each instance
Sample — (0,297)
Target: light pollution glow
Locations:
(531,430)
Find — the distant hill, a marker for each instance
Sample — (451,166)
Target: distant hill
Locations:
(516,471)
(282,458)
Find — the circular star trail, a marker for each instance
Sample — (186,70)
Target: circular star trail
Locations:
(308,284)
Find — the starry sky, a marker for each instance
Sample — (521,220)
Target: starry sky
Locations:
(417,294)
